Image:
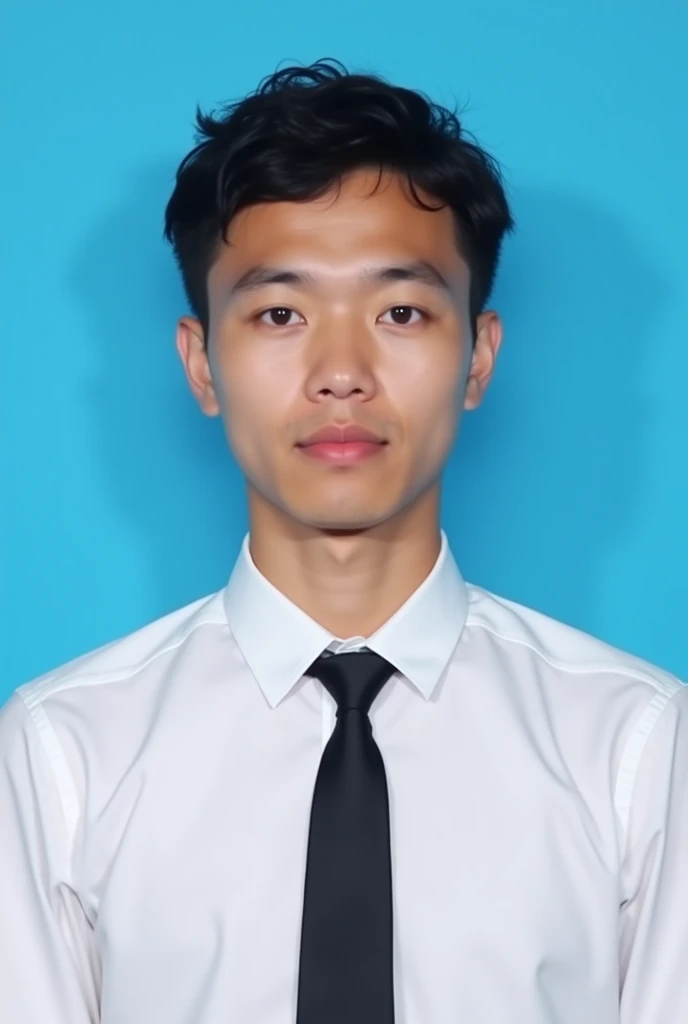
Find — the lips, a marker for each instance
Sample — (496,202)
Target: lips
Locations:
(341,435)
(342,446)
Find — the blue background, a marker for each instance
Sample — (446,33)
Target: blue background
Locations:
(568,488)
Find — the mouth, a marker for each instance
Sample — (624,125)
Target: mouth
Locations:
(342,453)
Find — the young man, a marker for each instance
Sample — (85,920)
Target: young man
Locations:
(348,787)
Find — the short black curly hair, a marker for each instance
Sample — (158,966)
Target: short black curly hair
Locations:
(299,133)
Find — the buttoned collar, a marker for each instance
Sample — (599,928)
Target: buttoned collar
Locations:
(279,641)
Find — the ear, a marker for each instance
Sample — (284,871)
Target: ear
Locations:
(192,352)
(488,340)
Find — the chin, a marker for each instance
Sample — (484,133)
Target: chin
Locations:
(354,521)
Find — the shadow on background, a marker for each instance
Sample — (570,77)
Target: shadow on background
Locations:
(544,478)
(170,471)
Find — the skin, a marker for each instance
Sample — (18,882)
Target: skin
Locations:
(347,544)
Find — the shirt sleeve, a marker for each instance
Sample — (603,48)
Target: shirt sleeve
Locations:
(654,911)
(46,959)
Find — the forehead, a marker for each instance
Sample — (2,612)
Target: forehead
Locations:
(351,225)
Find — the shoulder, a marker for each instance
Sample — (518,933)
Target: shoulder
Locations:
(77,727)
(609,712)
(564,649)
(128,657)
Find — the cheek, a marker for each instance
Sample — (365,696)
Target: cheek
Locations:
(254,405)
(429,398)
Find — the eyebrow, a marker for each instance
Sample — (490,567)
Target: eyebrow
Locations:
(260,276)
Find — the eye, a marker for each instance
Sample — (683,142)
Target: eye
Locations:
(403,313)
(280,316)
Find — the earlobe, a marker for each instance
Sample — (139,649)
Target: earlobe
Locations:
(473,394)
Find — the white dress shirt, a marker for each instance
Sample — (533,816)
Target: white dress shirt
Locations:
(155,797)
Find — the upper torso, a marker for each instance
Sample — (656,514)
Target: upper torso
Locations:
(186,798)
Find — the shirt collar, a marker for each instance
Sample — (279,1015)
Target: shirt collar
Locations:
(279,641)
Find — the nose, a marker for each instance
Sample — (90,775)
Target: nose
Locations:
(340,363)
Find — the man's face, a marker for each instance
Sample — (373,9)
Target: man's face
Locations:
(341,347)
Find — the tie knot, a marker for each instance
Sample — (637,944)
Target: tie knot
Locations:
(354,680)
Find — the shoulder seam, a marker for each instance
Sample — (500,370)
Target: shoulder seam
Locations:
(62,775)
(668,689)
(51,685)
(630,762)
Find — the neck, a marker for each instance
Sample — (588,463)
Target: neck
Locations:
(350,582)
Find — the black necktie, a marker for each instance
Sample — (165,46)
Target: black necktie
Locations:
(345,972)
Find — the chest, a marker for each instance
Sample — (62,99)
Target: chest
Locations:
(502,896)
